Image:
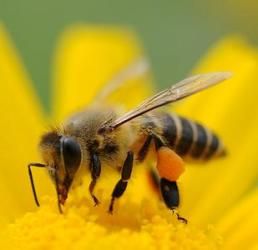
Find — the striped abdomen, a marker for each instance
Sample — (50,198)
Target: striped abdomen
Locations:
(188,138)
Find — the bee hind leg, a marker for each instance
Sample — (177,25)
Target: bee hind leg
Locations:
(167,190)
(121,185)
(170,194)
(170,166)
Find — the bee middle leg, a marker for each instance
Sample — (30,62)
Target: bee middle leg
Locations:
(95,169)
(144,149)
(121,185)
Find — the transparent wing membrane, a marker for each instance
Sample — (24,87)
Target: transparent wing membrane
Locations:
(133,71)
(180,90)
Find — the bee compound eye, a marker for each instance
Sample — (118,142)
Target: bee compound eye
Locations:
(71,152)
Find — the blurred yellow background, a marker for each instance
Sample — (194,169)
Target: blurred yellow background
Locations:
(175,34)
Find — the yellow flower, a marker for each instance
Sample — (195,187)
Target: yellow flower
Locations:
(219,198)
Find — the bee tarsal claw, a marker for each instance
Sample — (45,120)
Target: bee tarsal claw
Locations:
(180,218)
(96,201)
(185,221)
(111,206)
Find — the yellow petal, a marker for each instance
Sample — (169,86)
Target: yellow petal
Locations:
(255,247)
(87,58)
(230,110)
(20,127)
(239,225)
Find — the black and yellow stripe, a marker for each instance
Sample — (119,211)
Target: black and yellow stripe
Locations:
(169,128)
(188,138)
(201,141)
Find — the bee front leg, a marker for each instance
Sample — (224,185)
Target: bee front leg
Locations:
(95,169)
(122,183)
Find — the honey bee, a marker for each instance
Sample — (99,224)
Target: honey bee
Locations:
(99,136)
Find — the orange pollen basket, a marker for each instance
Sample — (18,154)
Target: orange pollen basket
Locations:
(169,165)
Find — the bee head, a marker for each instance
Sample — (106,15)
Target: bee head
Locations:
(62,157)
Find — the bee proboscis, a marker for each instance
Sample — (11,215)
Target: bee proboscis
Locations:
(97,137)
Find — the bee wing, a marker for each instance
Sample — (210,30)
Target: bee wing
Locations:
(136,69)
(180,90)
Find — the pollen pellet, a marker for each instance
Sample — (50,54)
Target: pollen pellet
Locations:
(169,164)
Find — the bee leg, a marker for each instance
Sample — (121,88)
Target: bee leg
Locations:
(170,194)
(154,181)
(95,169)
(144,149)
(122,183)
(170,166)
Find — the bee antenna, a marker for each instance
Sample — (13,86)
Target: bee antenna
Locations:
(58,201)
(40,165)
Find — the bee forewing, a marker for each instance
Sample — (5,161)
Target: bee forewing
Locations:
(134,70)
(178,91)
(196,83)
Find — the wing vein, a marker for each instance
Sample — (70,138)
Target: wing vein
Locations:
(180,90)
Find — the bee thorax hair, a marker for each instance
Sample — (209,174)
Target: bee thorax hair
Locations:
(111,147)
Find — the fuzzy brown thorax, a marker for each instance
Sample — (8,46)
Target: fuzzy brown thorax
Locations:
(110,147)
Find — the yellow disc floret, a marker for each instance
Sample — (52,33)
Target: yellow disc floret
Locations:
(137,223)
